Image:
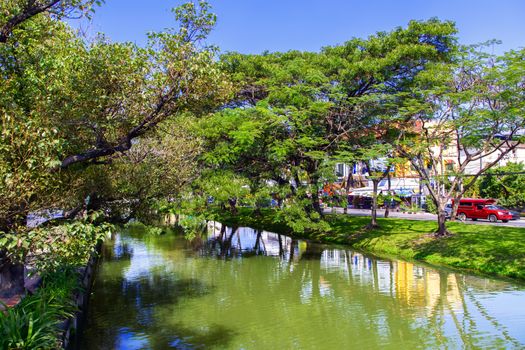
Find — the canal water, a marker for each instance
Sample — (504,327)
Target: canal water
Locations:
(239,288)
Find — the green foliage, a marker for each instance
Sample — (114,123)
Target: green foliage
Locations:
(62,8)
(193,225)
(34,323)
(65,101)
(297,214)
(157,169)
(431,206)
(27,152)
(508,189)
(53,248)
(296,113)
(223,185)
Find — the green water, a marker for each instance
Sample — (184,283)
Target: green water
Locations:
(244,289)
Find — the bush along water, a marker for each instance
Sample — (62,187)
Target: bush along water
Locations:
(35,322)
(55,254)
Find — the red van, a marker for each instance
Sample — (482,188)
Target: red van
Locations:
(481,209)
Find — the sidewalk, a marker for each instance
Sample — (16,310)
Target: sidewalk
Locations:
(381,214)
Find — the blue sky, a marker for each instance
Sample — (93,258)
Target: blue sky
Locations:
(252,26)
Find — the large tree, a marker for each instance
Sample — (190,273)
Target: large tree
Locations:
(90,102)
(70,109)
(295,111)
(284,92)
(371,79)
(470,110)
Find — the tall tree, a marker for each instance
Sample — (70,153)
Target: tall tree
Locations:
(471,111)
(290,86)
(318,104)
(370,79)
(91,102)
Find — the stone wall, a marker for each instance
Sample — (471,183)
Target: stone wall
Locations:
(72,325)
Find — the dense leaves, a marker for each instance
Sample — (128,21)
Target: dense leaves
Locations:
(470,110)
(505,183)
(296,113)
(35,322)
(69,104)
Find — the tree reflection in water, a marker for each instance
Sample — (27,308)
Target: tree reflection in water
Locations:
(244,288)
(436,294)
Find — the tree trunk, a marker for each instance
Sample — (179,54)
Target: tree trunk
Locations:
(257,242)
(442,228)
(233,205)
(292,250)
(387,206)
(455,207)
(373,221)
(350,180)
(315,197)
(442,219)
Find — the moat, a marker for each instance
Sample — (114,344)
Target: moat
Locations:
(240,288)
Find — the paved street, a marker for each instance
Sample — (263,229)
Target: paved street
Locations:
(424,216)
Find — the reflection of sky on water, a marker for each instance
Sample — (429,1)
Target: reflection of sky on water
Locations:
(243,239)
(143,260)
(436,297)
(183,293)
(128,340)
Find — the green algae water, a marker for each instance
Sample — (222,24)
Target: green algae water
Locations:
(240,288)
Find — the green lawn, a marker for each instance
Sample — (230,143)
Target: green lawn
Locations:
(488,249)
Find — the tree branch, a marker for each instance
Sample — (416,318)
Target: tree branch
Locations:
(30,10)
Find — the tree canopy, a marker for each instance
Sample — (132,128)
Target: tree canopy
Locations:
(92,122)
(67,104)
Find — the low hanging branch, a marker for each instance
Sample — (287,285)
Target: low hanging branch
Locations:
(125,143)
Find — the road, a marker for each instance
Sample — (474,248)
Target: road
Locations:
(423,216)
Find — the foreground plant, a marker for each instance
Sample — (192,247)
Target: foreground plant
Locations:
(35,322)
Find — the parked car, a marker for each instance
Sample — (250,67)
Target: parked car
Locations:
(470,208)
(515,214)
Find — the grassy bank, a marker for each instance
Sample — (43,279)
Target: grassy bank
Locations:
(487,249)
